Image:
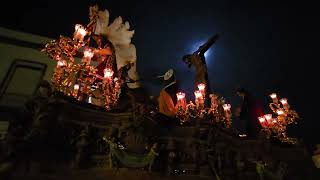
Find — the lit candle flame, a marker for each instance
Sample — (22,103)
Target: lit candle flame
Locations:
(180,95)
(201,86)
(76,87)
(268,117)
(273,95)
(262,119)
(88,53)
(284,101)
(280,112)
(108,73)
(61,63)
(198,94)
(80,32)
(226,107)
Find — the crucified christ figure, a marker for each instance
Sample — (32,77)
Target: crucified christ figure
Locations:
(197,59)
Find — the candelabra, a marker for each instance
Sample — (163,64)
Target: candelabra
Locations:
(218,112)
(284,116)
(82,79)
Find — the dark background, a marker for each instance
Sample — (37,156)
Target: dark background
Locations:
(265,46)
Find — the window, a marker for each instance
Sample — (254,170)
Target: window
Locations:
(21,82)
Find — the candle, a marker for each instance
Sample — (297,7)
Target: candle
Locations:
(227,111)
(268,118)
(80,32)
(181,100)
(202,88)
(274,97)
(199,98)
(76,88)
(108,73)
(214,101)
(198,94)
(280,112)
(87,55)
(61,63)
(262,121)
(226,107)
(284,102)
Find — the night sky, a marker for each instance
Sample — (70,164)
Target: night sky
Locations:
(264,46)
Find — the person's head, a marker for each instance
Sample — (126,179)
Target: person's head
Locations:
(168,77)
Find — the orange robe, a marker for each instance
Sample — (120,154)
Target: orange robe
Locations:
(166,105)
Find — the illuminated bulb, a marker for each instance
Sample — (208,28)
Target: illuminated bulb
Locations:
(201,86)
(273,95)
(180,95)
(198,94)
(88,53)
(262,119)
(280,112)
(76,87)
(274,120)
(284,101)
(226,107)
(108,73)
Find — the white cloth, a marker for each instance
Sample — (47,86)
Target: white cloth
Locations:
(120,36)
